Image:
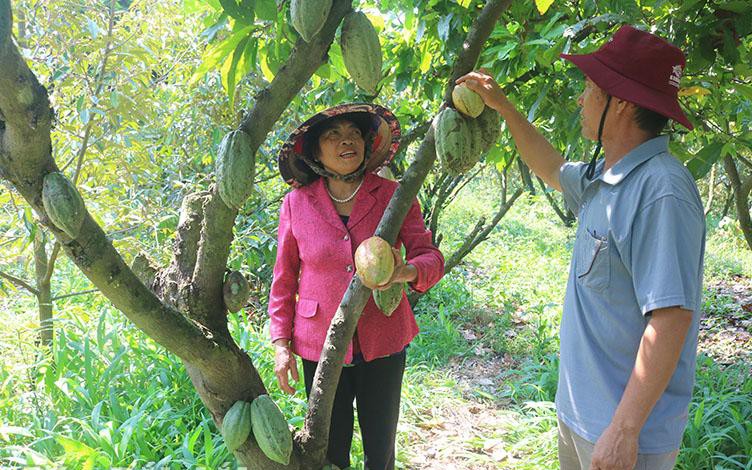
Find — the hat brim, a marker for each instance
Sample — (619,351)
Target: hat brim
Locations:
(386,141)
(627,89)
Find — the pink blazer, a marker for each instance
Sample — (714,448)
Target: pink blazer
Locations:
(315,265)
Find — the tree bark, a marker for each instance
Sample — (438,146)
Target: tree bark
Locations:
(44,294)
(741,197)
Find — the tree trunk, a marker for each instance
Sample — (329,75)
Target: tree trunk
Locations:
(44,290)
(741,196)
(181,306)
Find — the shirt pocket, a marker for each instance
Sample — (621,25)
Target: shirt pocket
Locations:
(593,262)
(306,308)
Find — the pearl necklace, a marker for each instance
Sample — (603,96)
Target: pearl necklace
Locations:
(348,199)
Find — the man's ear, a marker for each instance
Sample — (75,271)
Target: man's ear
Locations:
(624,106)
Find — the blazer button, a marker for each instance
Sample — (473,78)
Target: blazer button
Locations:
(349,268)
(347,236)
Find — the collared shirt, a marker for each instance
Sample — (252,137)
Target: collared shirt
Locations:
(639,246)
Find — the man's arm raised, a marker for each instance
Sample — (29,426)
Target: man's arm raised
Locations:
(534,149)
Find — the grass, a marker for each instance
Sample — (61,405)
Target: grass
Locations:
(108,396)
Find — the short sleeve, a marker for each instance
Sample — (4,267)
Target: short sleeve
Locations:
(573,182)
(667,250)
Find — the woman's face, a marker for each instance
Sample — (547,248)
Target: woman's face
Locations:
(341,147)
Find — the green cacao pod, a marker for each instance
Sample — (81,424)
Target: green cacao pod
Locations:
(374,261)
(467,101)
(457,145)
(309,16)
(270,429)
(388,300)
(361,51)
(63,204)
(330,466)
(235,168)
(235,291)
(489,124)
(236,425)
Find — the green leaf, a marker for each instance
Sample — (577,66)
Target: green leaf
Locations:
(229,73)
(266,10)
(543,5)
(218,53)
(704,160)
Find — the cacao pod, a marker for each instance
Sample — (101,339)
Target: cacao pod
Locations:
(388,300)
(374,261)
(309,16)
(63,204)
(361,51)
(235,291)
(236,425)
(489,123)
(235,168)
(467,101)
(330,466)
(270,429)
(457,144)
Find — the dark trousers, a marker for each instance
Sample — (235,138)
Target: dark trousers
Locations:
(375,387)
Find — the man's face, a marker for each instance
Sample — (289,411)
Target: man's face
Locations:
(592,101)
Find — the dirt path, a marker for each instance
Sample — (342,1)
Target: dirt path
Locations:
(468,433)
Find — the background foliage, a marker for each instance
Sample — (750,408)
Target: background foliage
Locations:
(143,92)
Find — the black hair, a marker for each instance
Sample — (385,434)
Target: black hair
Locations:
(650,121)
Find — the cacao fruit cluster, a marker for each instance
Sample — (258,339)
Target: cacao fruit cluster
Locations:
(388,300)
(462,140)
(235,169)
(361,51)
(270,429)
(235,291)
(374,262)
(63,204)
(309,16)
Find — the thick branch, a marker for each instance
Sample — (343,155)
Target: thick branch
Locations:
(476,38)
(346,318)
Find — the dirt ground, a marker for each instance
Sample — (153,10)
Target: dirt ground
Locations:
(455,437)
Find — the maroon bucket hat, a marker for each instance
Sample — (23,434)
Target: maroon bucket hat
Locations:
(385,138)
(638,67)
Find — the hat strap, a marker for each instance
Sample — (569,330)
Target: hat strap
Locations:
(319,169)
(590,173)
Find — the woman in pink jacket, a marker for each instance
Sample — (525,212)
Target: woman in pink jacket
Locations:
(337,203)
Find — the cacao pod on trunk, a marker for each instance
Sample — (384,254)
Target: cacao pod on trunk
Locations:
(374,261)
(235,291)
(361,51)
(270,429)
(388,300)
(457,143)
(467,101)
(236,425)
(235,169)
(309,16)
(63,204)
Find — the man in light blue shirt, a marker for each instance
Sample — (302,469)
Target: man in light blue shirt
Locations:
(631,310)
